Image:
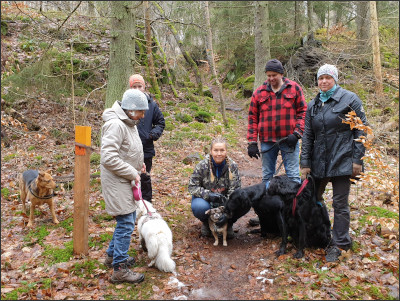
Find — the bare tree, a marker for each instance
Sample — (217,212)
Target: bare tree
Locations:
(210,52)
(375,48)
(149,51)
(182,48)
(363,26)
(310,23)
(262,52)
(297,13)
(122,50)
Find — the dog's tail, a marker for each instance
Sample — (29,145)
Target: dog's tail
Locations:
(160,248)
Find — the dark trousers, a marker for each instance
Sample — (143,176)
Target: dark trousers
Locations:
(341,215)
(145,180)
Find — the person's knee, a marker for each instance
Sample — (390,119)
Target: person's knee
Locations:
(199,207)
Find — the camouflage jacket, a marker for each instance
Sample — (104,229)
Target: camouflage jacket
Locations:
(200,183)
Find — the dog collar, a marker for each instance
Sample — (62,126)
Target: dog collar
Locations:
(49,196)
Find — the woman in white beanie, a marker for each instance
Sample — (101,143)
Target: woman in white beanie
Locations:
(121,162)
(330,152)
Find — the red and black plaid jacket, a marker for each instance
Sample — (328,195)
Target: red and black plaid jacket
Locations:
(275,116)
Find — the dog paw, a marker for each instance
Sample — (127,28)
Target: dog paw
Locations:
(56,221)
(298,254)
(29,225)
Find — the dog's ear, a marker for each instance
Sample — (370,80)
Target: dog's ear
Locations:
(207,212)
(221,208)
(41,173)
(48,171)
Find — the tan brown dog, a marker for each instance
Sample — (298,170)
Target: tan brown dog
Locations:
(37,186)
(213,216)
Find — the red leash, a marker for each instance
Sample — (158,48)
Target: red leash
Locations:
(137,195)
(305,182)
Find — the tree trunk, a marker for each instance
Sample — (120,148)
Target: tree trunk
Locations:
(363,26)
(181,46)
(375,48)
(296,20)
(262,51)
(329,17)
(210,53)
(310,23)
(150,60)
(165,61)
(122,50)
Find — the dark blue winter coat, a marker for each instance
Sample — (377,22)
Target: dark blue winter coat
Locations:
(151,127)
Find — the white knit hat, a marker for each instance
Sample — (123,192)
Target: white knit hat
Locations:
(134,99)
(329,70)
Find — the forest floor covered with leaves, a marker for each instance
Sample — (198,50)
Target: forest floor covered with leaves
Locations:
(38,262)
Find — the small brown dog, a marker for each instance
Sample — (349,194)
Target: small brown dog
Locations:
(213,216)
(37,186)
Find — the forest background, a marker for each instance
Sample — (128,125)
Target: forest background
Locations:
(64,62)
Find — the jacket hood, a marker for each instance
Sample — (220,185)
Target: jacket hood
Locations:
(116,112)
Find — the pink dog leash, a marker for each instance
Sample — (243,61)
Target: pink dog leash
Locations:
(137,195)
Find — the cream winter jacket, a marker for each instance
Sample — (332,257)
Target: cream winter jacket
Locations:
(121,159)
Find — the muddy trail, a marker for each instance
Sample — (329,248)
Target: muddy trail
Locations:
(242,270)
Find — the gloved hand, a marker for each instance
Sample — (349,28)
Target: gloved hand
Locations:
(216,198)
(223,219)
(357,169)
(252,150)
(292,140)
(304,172)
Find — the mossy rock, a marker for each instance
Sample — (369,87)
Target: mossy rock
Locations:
(203,116)
(192,158)
(186,118)
(193,106)
(250,79)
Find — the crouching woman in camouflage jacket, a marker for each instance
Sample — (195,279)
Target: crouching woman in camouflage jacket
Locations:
(212,182)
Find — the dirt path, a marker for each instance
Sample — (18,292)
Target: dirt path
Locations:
(232,272)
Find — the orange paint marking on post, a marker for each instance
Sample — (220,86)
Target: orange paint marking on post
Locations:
(81,189)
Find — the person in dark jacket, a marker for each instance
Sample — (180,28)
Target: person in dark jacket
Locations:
(330,151)
(212,182)
(150,129)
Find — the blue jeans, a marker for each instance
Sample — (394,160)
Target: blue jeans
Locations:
(199,207)
(269,155)
(121,240)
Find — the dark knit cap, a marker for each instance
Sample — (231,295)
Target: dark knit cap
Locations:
(274,65)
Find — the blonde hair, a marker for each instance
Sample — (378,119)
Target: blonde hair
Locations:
(219,139)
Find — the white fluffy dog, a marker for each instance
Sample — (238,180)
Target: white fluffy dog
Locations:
(155,236)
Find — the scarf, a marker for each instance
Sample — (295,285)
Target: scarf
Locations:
(218,167)
(324,96)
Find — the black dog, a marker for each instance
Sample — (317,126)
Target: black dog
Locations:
(269,209)
(241,201)
(306,220)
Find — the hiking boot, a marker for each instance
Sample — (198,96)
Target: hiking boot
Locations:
(347,247)
(109,260)
(333,254)
(230,233)
(254,221)
(124,274)
(205,230)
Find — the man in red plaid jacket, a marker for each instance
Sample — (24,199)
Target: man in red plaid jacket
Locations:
(276,118)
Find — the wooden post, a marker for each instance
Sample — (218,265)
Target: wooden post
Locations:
(81,189)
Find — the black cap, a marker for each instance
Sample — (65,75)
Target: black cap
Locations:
(274,65)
